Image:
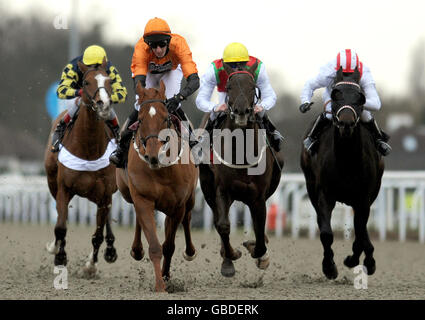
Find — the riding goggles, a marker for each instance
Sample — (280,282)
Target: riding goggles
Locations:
(161,44)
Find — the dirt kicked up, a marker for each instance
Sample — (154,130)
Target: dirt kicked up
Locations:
(27,270)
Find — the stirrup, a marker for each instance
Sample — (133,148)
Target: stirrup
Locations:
(309,144)
(384,148)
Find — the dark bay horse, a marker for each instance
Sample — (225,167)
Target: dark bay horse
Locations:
(152,184)
(88,140)
(222,182)
(346,168)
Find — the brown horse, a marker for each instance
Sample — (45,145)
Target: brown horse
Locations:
(88,140)
(151,185)
(222,183)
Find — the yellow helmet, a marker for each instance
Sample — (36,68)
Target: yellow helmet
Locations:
(235,52)
(94,55)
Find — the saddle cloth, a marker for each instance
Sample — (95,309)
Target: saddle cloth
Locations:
(72,162)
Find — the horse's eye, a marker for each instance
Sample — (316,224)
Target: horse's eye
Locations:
(85,83)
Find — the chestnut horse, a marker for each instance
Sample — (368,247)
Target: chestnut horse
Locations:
(346,168)
(150,184)
(88,140)
(222,183)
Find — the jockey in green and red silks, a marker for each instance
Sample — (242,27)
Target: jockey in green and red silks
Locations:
(236,56)
(71,87)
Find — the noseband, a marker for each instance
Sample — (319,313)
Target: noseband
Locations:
(257,96)
(336,116)
(92,103)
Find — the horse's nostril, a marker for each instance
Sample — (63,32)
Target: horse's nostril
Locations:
(246,111)
(146,157)
(154,161)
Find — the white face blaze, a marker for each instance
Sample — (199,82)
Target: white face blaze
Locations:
(102,92)
(152,112)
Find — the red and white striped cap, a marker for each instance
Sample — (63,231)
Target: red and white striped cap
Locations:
(348,60)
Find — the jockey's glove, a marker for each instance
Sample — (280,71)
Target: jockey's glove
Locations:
(173,103)
(305,107)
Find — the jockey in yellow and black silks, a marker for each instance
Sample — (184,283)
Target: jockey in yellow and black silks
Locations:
(70,88)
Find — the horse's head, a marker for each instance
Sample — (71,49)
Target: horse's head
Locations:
(241,93)
(97,89)
(347,101)
(153,117)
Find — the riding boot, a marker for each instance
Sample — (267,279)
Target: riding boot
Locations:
(313,136)
(58,135)
(118,156)
(192,142)
(380,137)
(271,129)
(115,129)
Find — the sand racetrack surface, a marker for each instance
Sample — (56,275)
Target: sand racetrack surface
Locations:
(26,269)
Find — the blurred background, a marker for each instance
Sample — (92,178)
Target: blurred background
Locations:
(293,39)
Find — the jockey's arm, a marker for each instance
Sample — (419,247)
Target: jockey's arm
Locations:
(322,80)
(192,84)
(373,103)
(68,83)
(208,83)
(268,96)
(119,92)
(190,72)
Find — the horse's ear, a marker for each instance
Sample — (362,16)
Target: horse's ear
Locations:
(104,63)
(253,68)
(227,68)
(339,75)
(140,90)
(356,75)
(162,88)
(82,67)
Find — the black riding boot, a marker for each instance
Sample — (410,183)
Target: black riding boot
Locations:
(192,142)
(380,137)
(270,128)
(58,135)
(313,136)
(115,129)
(118,156)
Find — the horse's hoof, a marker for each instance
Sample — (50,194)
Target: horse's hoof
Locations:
(227,268)
(190,258)
(110,255)
(351,261)
(52,248)
(90,269)
(137,254)
(370,265)
(249,245)
(263,262)
(330,270)
(60,259)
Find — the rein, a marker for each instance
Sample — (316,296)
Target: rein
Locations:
(144,140)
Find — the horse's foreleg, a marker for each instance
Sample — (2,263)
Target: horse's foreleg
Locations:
(137,251)
(97,239)
(145,216)
(57,247)
(361,242)
(324,209)
(222,225)
(258,248)
(190,253)
(110,254)
(168,247)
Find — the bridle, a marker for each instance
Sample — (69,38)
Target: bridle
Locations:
(241,93)
(92,104)
(335,116)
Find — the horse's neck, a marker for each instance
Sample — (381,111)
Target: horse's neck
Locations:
(87,139)
(348,150)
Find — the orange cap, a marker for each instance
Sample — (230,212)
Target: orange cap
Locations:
(156,26)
